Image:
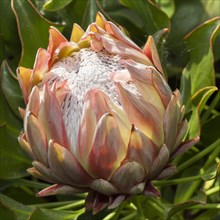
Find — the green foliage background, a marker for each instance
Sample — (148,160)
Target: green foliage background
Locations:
(188,40)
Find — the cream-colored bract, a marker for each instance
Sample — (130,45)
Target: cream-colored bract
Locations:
(100,116)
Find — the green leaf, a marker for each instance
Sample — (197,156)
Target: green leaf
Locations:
(8,118)
(152,18)
(21,211)
(81,12)
(167,6)
(210,130)
(13,160)
(9,40)
(211,173)
(199,199)
(6,213)
(44,214)
(33,30)
(201,154)
(209,214)
(10,88)
(189,14)
(127,18)
(198,100)
(184,190)
(14,163)
(89,13)
(210,110)
(55,5)
(194,124)
(202,96)
(199,72)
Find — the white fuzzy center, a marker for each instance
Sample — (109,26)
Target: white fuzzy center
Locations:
(84,70)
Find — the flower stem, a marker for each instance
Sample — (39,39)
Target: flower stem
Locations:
(213,190)
(156,204)
(130,216)
(52,204)
(209,161)
(109,216)
(138,204)
(199,155)
(176,181)
(31,183)
(118,211)
(210,108)
(72,205)
(206,206)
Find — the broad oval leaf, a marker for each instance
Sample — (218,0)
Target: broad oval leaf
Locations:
(55,5)
(18,209)
(210,130)
(199,72)
(9,39)
(7,213)
(13,161)
(212,172)
(184,190)
(33,30)
(199,199)
(201,97)
(45,214)
(10,88)
(198,100)
(152,18)
(189,14)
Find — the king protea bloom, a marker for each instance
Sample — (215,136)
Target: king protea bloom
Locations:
(100,116)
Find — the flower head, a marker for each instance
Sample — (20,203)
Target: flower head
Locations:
(100,116)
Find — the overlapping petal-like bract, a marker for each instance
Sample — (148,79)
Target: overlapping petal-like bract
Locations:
(121,146)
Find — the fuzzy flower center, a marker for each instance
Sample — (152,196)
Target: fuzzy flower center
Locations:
(84,70)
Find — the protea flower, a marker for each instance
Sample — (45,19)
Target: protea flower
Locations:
(100,116)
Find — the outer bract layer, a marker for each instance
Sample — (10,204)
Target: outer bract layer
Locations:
(100,116)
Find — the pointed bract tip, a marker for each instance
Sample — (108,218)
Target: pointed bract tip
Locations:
(77,33)
(150,190)
(100,20)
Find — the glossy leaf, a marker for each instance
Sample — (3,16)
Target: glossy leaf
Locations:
(9,39)
(89,13)
(201,97)
(185,190)
(189,14)
(54,5)
(13,160)
(209,214)
(10,88)
(213,126)
(199,72)
(168,6)
(198,101)
(213,104)
(19,210)
(127,18)
(211,173)
(7,116)
(30,23)
(7,213)
(81,12)
(152,18)
(45,214)
(194,124)
(199,199)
